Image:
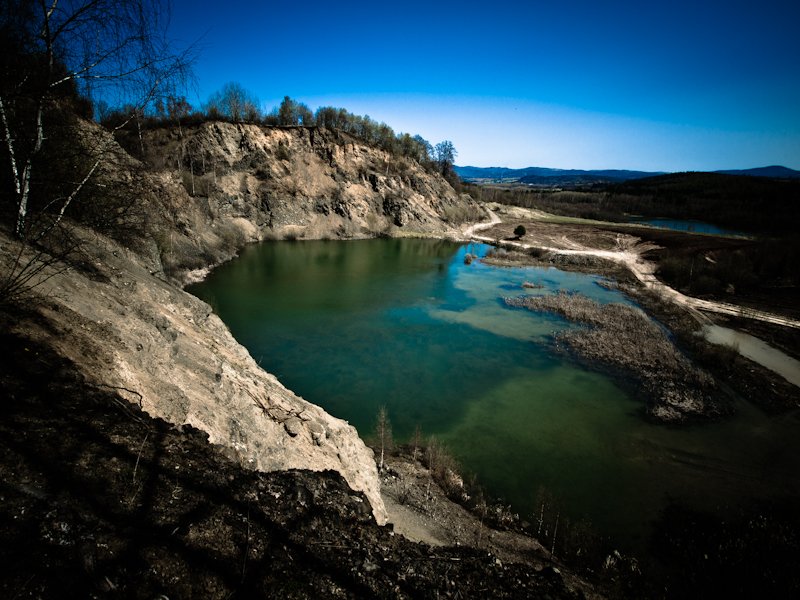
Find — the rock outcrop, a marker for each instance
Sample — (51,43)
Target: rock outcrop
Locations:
(163,349)
(234,183)
(200,194)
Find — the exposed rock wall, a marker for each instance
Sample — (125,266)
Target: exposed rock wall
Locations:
(200,195)
(164,349)
(238,182)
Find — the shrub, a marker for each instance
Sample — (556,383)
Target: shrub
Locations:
(282,152)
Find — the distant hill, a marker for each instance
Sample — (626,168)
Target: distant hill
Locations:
(776,172)
(545,176)
(499,173)
(752,203)
(582,178)
(562,177)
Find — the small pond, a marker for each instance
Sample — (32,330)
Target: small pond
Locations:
(688,225)
(405,323)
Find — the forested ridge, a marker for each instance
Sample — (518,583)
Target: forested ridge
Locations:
(749,204)
(756,204)
(234,104)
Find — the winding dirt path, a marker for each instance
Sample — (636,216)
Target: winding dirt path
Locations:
(644,271)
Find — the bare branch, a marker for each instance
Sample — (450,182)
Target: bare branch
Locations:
(114,46)
(67,201)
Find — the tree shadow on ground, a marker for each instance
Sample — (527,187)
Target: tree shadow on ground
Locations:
(100,500)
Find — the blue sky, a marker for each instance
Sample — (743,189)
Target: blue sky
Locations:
(672,86)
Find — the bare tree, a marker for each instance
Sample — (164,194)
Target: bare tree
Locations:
(432,454)
(445,156)
(383,431)
(234,102)
(416,442)
(482,507)
(57,54)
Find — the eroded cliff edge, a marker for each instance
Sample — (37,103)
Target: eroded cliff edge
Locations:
(118,313)
(163,349)
(233,183)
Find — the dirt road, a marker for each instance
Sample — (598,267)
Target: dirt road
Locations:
(630,255)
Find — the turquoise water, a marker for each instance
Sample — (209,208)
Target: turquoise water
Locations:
(352,326)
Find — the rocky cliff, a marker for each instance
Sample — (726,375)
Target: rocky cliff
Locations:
(238,182)
(200,194)
(164,350)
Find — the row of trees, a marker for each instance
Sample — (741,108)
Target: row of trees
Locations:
(236,104)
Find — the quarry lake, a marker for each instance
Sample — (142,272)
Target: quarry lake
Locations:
(406,324)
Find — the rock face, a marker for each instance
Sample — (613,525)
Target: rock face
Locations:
(241,182)
(165,350)
(197,197)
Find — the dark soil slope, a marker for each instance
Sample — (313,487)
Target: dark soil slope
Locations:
(99,500)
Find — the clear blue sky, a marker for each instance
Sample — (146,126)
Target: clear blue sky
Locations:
(679,85)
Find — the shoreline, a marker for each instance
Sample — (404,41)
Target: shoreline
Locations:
(629,258)
(746,377)
(633,275)
(627,251)
(420,510)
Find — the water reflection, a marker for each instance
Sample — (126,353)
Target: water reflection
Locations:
(405,323)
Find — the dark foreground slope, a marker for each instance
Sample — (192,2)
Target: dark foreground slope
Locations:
(99,500)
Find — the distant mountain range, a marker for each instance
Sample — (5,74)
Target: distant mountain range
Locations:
(535,173)
(559,177)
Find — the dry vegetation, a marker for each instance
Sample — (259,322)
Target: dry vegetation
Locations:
(624,337)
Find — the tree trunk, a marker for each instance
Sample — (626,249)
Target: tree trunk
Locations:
(22,209)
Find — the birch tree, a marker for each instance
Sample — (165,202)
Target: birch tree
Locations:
(55,55)
(383,432)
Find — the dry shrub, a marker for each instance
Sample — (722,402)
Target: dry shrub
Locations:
(292,233)
(444,469)
(232,237)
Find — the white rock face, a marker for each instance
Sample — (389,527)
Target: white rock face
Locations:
(228,182)
(165,350)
